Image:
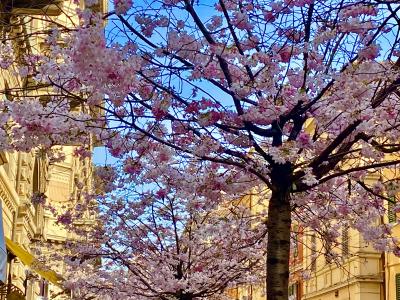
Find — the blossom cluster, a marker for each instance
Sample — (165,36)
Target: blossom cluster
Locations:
(297,96)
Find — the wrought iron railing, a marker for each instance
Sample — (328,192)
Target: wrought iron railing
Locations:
(11,292)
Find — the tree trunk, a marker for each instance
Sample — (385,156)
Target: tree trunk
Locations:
(278,247)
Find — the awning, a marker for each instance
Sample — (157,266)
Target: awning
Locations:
(30,261)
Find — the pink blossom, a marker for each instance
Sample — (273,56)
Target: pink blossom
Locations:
(132,167)
(197,113)
(370,52)
(241,21)
(285,54)
(209,118)
(6,55)
(82,152)
(65,219)
(193,108)
(216,22)
(38,198)
(269,16)
(122,6)
(161,193)
(304,140)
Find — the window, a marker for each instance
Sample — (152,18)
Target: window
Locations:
(44,289)
(36,177)
(313,252)
(293,291)
(7,91)
(398,286)
(390,211)
(295,241)
(328,251)
(296,249)
(345,241)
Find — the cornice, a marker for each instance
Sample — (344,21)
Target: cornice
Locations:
(354,280)
(7,192)
(26,214)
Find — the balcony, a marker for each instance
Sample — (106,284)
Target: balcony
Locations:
(31,7)
(11,292)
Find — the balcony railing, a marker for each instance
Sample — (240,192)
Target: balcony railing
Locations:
(31,7)
(11,292)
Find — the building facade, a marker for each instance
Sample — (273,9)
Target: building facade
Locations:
(30,227)
(362,273)
(358,272)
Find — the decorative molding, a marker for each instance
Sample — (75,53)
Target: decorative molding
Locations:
(344,284)
(49,10)
(7,193)
(3,158)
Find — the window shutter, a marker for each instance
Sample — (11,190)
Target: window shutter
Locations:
(296,241)
(345,241)
(313,252)
(328,252)
(391,214)
(398,286)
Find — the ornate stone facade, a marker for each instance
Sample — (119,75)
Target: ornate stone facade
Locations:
(23,175)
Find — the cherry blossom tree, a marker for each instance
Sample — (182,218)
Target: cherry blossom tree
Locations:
(164,243)
(300,96)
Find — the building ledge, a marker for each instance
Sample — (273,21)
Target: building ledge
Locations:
(358,256)
(32,7)
(49,10)
(353,280)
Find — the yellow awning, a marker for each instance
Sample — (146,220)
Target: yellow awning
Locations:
(30,261)
(309,126)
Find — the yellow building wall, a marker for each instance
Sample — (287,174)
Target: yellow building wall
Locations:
(365,274)
(391,265)
(33,227)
